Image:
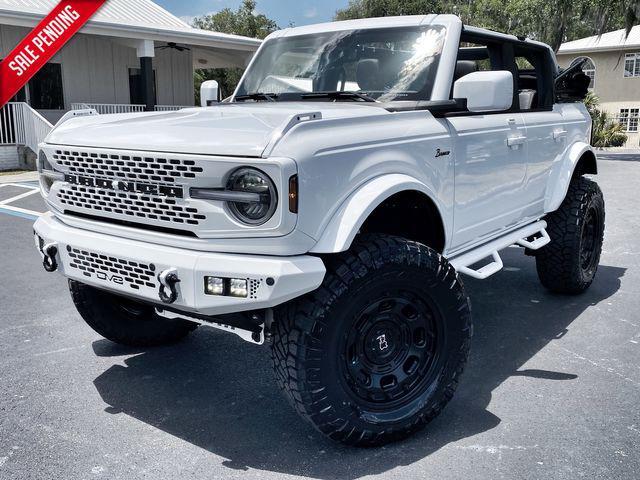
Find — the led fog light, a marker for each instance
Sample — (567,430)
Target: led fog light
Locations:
(214,286)
(238,288)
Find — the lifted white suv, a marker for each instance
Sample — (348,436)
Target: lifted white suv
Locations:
(329,206)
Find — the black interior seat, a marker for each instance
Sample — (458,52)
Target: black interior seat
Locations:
(464,67)
(368,75)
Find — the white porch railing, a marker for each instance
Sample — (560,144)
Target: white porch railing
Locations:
(107,108)
(22,125)
(171,108)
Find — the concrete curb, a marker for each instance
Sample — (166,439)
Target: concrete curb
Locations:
(627,151)
(19,177)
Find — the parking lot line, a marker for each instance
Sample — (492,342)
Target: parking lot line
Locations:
(20,212)
(19,197)
(7,208)
(21,185)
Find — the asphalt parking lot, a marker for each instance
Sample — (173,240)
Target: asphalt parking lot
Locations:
(552,388)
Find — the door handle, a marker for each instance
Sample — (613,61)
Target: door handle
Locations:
(516,140)
(559,134)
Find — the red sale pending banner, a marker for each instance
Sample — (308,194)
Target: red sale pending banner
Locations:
(43,43)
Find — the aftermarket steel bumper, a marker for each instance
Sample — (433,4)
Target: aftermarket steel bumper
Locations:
(141,270)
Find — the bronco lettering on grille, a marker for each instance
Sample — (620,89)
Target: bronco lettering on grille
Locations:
(125,186)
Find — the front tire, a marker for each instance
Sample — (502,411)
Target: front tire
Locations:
(376,352)
(568,264)
(126,321)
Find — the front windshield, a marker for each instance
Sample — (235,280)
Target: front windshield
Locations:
(386,64)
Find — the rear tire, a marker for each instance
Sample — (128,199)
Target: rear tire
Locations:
(126,321)
(569,263)
(376,352)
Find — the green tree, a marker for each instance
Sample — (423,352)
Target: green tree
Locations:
(550,21)
(243,21)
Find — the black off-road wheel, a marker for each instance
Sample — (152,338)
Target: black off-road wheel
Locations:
(125,321)
(376,352)
(569,263)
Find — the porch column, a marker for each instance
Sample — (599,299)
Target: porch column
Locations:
(146,52)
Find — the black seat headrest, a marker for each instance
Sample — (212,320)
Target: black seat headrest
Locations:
(464,67)
(368,74)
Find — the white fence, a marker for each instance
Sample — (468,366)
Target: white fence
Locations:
(22,125)
(106,108)
(171,108)
(10,132)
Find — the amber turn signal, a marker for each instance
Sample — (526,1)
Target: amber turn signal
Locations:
(293,194)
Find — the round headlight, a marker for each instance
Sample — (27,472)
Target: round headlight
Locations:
(253,181)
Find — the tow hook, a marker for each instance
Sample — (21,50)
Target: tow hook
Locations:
(49,253)
(168,279)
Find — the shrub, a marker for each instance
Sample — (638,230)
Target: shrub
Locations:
(606,131)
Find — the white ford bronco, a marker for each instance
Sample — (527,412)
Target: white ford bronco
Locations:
(329,207)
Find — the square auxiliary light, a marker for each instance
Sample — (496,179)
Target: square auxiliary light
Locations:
(214,285)
(238,287)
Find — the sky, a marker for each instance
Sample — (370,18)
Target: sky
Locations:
(284,12)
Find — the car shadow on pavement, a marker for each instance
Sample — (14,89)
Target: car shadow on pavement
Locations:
(218,393)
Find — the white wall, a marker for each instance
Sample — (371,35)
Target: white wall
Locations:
(95,70)
(8,157)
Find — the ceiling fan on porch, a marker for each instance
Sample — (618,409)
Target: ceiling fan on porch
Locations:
(174,46)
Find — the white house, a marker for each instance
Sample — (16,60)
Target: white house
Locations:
(131,56)
(614,67)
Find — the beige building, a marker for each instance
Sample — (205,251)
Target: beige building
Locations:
(614,68)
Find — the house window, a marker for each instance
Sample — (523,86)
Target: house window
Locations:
(45,88)
(629,119)
(136,87)
(44,91)
(589,69)
(632,65)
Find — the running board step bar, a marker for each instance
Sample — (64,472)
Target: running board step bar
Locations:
(532,236)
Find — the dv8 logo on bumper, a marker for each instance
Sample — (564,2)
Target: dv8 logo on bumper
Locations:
(125,186)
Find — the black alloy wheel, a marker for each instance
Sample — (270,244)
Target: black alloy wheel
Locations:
(390,349)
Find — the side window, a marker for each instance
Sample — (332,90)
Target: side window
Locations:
(527,84)
(478,53)
(534,82)
(475,57)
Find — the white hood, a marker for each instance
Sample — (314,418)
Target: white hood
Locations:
(241,129)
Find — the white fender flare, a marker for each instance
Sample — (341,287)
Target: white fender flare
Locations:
(561,174)
(351,215)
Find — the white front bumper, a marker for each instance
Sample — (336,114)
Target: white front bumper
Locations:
(131,267)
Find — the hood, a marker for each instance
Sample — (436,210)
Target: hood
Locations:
(240,129)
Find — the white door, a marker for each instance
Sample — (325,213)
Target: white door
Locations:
(490,170)
(546,141)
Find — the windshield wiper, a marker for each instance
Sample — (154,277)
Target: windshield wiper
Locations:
(271,97)
(340,94)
